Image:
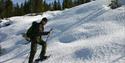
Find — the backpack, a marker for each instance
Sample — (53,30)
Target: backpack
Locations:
(33,30)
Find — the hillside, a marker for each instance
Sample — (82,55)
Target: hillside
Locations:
(88,33)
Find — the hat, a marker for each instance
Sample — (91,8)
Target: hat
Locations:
(34,23)
(44,19)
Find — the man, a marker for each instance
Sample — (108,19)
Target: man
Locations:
(35,33)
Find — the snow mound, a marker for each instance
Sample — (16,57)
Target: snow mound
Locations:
(88,33)
(122,2)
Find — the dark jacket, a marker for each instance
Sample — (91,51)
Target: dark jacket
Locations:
(36,30)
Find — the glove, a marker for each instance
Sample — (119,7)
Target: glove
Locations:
(49,31)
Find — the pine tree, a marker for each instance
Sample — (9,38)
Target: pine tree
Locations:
(46,6)
(51,6)
(75,2)
(39,6)
(82,1)
(22,9)
(31,5)
(55,6)
(59,5)
(7,8)
(1,8)
(86,1)
(26,7)
(0,50)
(17,10)
(36,6)
(114,4)
(66,4)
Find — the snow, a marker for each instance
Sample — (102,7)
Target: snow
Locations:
(122,2)
(88,33)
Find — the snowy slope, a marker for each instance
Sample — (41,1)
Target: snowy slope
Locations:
(89,33)
(122,2)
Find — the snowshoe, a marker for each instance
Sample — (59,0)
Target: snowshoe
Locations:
(41,59)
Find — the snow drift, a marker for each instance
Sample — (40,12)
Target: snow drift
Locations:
(88,33)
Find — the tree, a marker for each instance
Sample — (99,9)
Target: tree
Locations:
(6,8)
(82,1)
(22,12)
(67,4)
(86,1)
(1,8)
(17,10)
(36,6)
(51,6)
(55,5)
(8,11)
(114,4)
(75,3)
(0,50)
(26,7)
(59,6)
(45,6)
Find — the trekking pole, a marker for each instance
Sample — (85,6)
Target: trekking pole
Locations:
(46,39)
(26,58)
(49,34)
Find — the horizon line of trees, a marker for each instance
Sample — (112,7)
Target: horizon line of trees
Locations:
(8,9)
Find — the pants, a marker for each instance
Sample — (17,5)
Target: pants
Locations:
(33,50)
(34,42)
(43,51)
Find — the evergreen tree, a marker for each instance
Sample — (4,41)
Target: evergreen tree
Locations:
(67,4)
(51,6)
(114,4)
(17,10)
(36,5)
(6,8)
(86,1)
(55,5)
(39,6)
(75,3)
(1,8)
(0,50)
(26,7)
(45,6)
(31,5)
(22,9)
(78,2)
(59,6)
(82,1)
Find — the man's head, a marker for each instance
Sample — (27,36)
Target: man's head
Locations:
(44,21)
(34,23)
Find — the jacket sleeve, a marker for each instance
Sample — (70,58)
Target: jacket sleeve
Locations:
(44,33)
